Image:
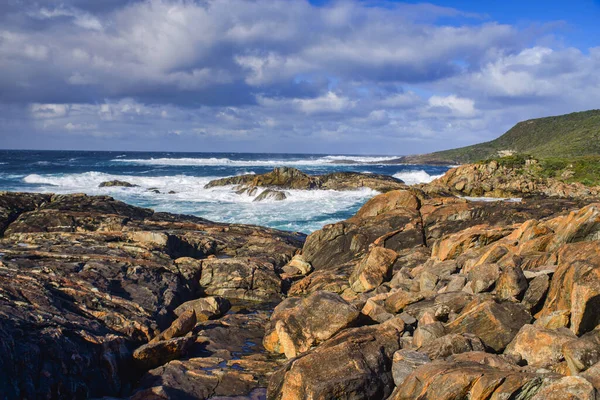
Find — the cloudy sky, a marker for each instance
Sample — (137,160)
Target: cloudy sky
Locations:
(364,77)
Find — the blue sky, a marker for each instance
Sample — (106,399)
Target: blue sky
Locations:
(350,76)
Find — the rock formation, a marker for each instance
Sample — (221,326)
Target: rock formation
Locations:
(420,295)
(291,178)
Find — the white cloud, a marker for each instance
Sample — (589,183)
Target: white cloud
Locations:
(458,105)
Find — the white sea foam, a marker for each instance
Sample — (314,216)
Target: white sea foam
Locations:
(414,177)
(187,161)
(303,210)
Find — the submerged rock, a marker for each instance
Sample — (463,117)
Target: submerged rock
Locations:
(270,194)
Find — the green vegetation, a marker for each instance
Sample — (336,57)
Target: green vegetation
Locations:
(561,137)
(585,170)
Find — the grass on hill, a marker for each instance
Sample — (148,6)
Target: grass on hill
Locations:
(561,137)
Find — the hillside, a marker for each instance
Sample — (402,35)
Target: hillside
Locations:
(564,136)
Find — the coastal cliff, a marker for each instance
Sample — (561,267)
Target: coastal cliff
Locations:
(421,294)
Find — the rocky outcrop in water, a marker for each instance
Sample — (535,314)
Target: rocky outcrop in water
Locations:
(291,178)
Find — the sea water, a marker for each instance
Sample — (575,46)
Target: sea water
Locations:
(186,174)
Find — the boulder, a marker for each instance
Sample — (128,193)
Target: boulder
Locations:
(448,345)
(155,354)
(374,269)
(538,346)
(583,352)
(399,299)
(483,277)
(495,323)
(210,307)
(240,278)
(298,324)
(426,333)
(405,362)
(567,388)
(270,194)
(575,286)
(180,327)
(511,284)
(355,364)
(449,380)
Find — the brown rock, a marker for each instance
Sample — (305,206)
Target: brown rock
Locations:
(567,388)
(426,333)
(212,307)
(180,327)
(355,364)
(155,354)
(575,286)
(539,346)
(405,362)
(373,269)
(483,277)
(298,324)
(512,284)
(582,353)
(448,345)
(496,324)
(399,299)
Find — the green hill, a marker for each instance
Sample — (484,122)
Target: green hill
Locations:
(564,136)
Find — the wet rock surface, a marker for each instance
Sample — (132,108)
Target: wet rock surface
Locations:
(420,295)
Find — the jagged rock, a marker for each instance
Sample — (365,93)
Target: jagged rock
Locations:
(155,354)
(448,345)
(483,277)
(575,286)
(291,178)
(298,324)
(388,202)
(539,346)
(405,362)
(457,380)
(493,180)
(567,388)
(426,333)
(240,278)
(511,284)
(399,299)
(582,353)
(297,266)
(115,183)
(210,307)
(180,327)
(376,311)
(496,324)
(270,194)
(536,292)
(373,269)
(355,364)
(478,236)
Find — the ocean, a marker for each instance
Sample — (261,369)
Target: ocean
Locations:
(187,173)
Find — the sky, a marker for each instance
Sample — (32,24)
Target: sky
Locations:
(295,76)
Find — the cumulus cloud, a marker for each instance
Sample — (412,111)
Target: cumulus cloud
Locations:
(351,76)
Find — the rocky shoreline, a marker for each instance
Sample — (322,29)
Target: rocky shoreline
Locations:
(420,295)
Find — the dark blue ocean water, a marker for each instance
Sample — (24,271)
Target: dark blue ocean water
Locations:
(187,173)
